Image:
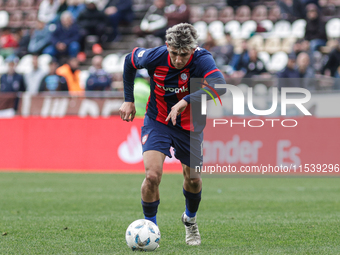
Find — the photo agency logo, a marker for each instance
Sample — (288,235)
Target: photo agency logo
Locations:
(204,97)
(302,96)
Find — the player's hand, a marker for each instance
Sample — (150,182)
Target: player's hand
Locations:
(127,111)
(176,110)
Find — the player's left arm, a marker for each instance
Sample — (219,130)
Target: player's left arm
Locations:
(208,70)
(212,75)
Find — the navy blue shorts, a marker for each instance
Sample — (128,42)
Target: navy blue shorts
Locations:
(160,137)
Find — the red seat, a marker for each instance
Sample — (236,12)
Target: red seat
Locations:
(2,5)
(259,13)
(12,5)
(26,5)
(329,11)
(15,19)
(30,18)
(196,13)
(243,13)
(226,14)
(210,14)
(274,13)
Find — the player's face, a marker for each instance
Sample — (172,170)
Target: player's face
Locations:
(179,58)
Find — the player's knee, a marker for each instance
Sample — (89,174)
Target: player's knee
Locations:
(153,178)
(195,182)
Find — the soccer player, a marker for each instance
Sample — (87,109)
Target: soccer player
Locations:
(167,119)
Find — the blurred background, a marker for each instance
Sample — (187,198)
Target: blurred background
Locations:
(62,61)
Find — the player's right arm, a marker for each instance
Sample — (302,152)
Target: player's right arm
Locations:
(137,59)
(127,111)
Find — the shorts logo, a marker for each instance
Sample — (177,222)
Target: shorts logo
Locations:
(184,76)
(140,54)
(144,139)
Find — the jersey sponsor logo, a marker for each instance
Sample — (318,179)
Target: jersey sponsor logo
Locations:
(176,90)
(184,76)
(140,54)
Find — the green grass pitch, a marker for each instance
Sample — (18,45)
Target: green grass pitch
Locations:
(49,213)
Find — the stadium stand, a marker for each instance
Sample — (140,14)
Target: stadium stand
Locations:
(259,13)
(226,14)
(243,13)
(4,19)
(216,29)
(261,23)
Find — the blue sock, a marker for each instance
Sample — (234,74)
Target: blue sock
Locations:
(153,219)
(192,202)
(150,210)
(188,213)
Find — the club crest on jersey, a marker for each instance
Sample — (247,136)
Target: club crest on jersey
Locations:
(144,139)
(184,76)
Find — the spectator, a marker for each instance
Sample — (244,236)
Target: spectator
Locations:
(65,39)
(240,60)
(53,82)
(289,71)
(288,77)
(298,47)
(40,38)
(98,79)
(333,62)
(178,12)
(91,21)
(118,11)
(255,66)
(154,21)
(48,10)
(304,68)
(70,71)
(223,53)
(209,43)
(23,41)
(306,72)
(75,7)
(315,28)
(8,42)
(12,81)
(33,79)
(292,9)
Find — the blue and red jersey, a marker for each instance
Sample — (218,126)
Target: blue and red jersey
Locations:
(169,85)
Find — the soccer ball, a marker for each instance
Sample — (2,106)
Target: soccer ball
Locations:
(142,235)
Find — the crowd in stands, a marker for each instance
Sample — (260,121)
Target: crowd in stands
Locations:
(72,30)
(58,78)
(61,26)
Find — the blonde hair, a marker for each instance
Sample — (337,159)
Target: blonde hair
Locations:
(182,36)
